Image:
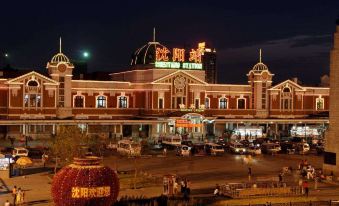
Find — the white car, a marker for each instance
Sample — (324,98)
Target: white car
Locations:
(19,152)
(254,150)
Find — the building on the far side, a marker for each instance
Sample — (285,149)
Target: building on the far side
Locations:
(209,63)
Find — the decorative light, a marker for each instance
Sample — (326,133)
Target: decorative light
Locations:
(85,54)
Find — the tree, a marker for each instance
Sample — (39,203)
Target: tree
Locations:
(67,144)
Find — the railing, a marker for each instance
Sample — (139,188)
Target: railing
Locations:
(259,189)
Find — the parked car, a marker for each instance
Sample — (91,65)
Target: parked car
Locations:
(270,148)
(287,147)
(19,152)
(237,148)
(187,142)
(254,150)
(112,146)
(302,148)
(183,150)
(214,149)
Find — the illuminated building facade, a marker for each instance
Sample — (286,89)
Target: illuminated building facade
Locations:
(164,92)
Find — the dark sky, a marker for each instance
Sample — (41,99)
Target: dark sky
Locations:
(295,36)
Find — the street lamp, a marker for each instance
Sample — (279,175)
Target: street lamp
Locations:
(6,55)
(85,54)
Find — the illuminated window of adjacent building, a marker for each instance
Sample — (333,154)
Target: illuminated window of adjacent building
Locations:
(241,103)
(160,103)
(122,102)
(79,101)
(319,103)
(207,103)
(101,102)
(223,103)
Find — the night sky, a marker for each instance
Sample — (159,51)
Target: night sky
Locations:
(295,36)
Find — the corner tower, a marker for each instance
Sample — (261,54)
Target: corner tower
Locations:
(331,156)
(60,69)
(260,79)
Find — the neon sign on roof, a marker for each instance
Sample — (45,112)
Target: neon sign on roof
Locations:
(178,59)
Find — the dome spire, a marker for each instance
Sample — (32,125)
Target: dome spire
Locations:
(153,34)
(60,48)
(260,56)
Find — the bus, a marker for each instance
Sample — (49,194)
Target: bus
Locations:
(129,148)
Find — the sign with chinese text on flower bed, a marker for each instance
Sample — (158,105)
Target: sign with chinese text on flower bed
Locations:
(178,60)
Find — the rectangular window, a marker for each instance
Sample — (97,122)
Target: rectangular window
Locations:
(122,102)
(101,102)
(79,101)
(161,103)
(330,158)
(207,103)
(197,103)
(222,103)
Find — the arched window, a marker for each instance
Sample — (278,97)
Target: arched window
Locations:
(32,83)
(122,102)
(286,90)
(223,103)
(241,103)
(79,101)
(101,102)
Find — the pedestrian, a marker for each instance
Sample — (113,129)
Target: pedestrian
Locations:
(280,177)
(44,159)
(182,186)
(20,197)
(7,203)
(300,183)
(165,152)
(216,190)
(175,186)
(305,187)
(14,193)
(249,173)
(316,180)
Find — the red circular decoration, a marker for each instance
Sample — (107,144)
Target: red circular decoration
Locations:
(85,182)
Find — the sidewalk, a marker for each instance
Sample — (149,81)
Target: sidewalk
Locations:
(36,187)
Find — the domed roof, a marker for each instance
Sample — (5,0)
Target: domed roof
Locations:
(60,57)
(147,53)
(259,67)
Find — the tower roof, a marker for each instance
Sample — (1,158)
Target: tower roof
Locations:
(260,66)
(60,57)
(147,53)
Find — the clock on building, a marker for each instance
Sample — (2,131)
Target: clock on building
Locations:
(179,82)
(62,67)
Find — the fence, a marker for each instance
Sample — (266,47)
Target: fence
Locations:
(259,189)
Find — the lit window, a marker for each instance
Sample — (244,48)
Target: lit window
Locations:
(319,103)
(101,102)
(122,102)
(241,103)
(32,100)
(79,101)
(223,103)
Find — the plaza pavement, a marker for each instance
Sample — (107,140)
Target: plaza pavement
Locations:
(203,172)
